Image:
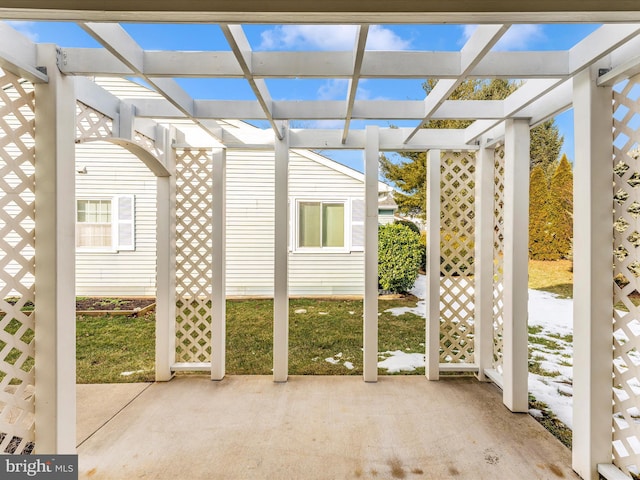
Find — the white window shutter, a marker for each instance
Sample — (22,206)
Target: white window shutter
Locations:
(357,224)
(125,210)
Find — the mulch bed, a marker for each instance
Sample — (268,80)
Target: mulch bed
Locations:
(113,303)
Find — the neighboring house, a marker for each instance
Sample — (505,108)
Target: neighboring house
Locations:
(115,234)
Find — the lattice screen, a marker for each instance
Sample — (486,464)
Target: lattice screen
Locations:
(457,196)
(92,125)
(193,256)
(17,250)
(626,364)
(498,256)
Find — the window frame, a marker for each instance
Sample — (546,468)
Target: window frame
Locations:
(115,246)
(295,225)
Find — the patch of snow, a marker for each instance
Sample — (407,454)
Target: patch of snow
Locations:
(335,359)
(323,313)
(399,361)
(349,365)
(127,374)
(300,310)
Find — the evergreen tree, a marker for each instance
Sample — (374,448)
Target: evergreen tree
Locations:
(541,238)
(560,209)
(546,143)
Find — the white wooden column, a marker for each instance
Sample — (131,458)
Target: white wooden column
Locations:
(55,332)
(516,264)
(370,330)
(281,260)
(432,341)
(166,265)
(593,276)
(483,265)
(218,264)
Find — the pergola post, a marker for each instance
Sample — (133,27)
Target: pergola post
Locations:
(516,256)
(370,331)
(593,275)
(432,342)
(218,265)
(281,260)
(166,265)
(483,266)
(55,332)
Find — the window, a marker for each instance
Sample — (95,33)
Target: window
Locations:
(321,224)
(105,224)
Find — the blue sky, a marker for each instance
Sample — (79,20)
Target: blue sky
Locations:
(325,38)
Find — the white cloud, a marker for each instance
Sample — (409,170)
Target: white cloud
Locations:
(25,28)
(328,37)
(518,37)
(323,37)
(381,38)
(334,89)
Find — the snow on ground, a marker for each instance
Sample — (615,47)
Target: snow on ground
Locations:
(551,322)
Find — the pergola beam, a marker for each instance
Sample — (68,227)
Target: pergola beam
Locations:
(358,55)
(18,55)
(375,64)
(118,42)
(478,45)
(242,50)
(624,63)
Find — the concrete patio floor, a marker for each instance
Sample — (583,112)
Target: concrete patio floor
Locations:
(247,427)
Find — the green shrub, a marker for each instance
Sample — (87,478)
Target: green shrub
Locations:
(399,257)
(410,224)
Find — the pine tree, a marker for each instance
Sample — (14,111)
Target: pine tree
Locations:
(546,143)
(541,238)
(561,206)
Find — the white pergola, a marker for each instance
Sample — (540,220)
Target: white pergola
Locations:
(70,106)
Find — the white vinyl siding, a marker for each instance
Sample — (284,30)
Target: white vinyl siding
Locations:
(113,172)
(316,273)
(250,235)
(250,219)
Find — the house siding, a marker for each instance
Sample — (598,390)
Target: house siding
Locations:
(111,171)
(323,273)
(250,238)
(249,217)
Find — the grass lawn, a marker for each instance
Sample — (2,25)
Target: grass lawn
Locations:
(318,330)
(555,277)
(107,347)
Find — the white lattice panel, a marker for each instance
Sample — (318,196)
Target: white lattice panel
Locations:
(457,197)
(498,256)
(626,364)
(91,124)
(193,256)
(17,250)
(148,144)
